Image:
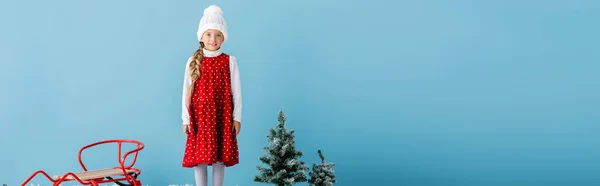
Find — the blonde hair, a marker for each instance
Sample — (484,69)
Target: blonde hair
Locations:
(195,65)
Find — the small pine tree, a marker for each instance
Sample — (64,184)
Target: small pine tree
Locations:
(283,160)
(322,174)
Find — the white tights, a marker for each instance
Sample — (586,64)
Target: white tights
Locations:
(201,172)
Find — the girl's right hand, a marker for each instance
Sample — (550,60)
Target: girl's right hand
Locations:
(186,129)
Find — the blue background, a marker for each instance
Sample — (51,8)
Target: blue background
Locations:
(422,93)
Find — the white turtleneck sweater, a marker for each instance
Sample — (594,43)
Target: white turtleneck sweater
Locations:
(236,88)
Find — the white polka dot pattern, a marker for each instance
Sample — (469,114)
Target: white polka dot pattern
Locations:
(211,116)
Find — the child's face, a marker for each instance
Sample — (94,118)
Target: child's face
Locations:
(212,39)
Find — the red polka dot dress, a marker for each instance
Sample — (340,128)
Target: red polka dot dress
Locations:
(211,116)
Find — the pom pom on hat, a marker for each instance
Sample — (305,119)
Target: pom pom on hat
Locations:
(212,19)
(213,9)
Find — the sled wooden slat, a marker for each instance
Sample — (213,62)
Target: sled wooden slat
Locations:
(95,174)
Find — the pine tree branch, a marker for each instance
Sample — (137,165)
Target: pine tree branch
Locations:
(321,156)
(322,174)
(282,158)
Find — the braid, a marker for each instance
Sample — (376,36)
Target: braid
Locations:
(195,64)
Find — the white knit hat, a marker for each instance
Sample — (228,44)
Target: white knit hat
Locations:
(212,19)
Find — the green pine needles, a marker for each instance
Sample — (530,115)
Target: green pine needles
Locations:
(284,167)
(322,174)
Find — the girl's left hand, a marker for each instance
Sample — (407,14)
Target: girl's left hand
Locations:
(237,125)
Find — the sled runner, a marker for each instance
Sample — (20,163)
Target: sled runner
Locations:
(95,177)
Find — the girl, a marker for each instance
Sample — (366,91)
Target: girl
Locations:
(212,102)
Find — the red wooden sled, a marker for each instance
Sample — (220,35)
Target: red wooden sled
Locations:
(95,177)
